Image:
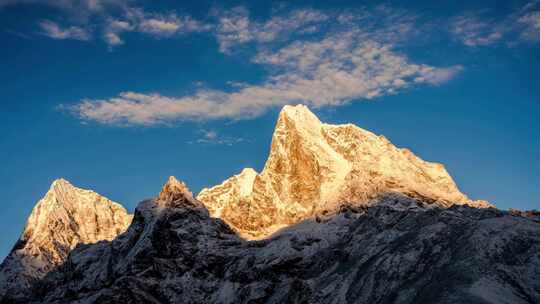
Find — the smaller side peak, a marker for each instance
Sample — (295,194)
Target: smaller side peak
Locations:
(248,172)
(245,181)
(174,185)
(175,191)
(173,181)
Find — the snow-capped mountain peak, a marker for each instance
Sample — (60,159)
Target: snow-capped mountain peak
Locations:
(314,168)
(65,217)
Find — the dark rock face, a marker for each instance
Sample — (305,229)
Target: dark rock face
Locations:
(397,250)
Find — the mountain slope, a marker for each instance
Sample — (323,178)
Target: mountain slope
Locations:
(65,217)
(313,168)
(393,250)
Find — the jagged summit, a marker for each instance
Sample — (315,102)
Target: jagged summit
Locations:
(315,167)
(65,217)
(58,187)
(175,192)
(59,181)
(297,120)
(235,188)
(300,114)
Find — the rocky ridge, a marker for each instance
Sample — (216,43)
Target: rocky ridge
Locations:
(395,249)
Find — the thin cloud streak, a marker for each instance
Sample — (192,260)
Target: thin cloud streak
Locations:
(235,26)
(109,19)
(473,29)
(212,137)
(532,29)
(151,24)
(55,31)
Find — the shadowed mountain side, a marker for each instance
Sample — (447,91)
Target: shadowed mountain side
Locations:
(395,250)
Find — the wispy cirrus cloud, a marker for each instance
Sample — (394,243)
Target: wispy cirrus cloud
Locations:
(70,5)
(156,25)
(212,137)
(475,29)
(171,24)
(164,26)
(472,30)
(332,71)
(235,26)
(109,19)
(320,58)
(55,31)
(113,30)
(352,58)
(531,21)
(152,24)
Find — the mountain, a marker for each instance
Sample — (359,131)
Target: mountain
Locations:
(337,215)
(395,249)
(314,168)
(66,217)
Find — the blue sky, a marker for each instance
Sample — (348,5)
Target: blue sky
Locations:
(117,95)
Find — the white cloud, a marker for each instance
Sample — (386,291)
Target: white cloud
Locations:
(211,137)
(298,21)
(531,21)
(335,70)
(112,39)
(160,26)
(79,12)
(53,30)
(155,25)
(235,26)
(474,29)
(111,18)
(113,30)
(89,5)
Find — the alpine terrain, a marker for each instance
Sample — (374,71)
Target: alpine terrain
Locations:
(337,215)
